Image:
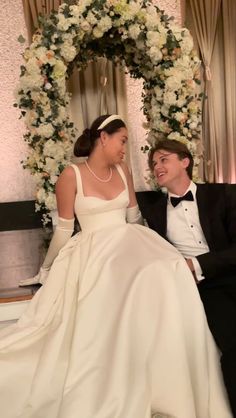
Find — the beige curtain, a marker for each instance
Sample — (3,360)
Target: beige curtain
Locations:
(100,89)
(229,39)
(214,24)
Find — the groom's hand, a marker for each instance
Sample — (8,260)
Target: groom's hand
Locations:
(191,267)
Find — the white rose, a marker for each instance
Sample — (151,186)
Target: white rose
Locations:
(85,26)
(155,54)
(97,32)
(91,18)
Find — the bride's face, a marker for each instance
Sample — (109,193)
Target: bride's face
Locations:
(115,146)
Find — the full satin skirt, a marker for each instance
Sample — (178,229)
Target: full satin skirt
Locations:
(117,331)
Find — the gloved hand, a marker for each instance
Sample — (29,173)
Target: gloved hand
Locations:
(133,215)
(38,279)
(62,234)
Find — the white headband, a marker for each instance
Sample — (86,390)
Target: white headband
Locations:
(108,120)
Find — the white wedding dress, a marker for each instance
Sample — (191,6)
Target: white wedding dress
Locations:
(117,331)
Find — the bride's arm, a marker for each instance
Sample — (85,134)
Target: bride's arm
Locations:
(65,194)
(133,214)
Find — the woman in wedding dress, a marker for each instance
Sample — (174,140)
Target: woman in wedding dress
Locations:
(118,329)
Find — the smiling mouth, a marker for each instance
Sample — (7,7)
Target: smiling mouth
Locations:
(160,175)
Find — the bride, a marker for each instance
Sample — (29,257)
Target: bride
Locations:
(118,329)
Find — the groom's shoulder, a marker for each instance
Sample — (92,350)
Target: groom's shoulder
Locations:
(150,197)
(216,187)
(217,194)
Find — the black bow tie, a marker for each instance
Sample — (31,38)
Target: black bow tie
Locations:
(176,200)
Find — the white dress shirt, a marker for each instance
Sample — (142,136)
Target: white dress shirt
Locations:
(184,230)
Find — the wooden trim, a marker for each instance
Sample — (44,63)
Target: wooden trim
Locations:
(16,298)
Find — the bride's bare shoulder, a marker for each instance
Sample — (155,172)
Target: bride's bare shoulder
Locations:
(67,176)
(69,171)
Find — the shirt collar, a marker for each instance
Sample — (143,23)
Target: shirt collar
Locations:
(192,187)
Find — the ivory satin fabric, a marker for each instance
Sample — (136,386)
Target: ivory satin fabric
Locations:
(117,331)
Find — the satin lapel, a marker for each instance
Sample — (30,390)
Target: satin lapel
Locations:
(204,209)
(160,213)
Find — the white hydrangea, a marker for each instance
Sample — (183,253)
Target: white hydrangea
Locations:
(50,201)
(105,23)
(51,166)
(180,116)
(68,51)
(155,54)
(159,93)
(169,98)
(174,82)
(186,45)
(45,130)
(53,179)
(134,31)
(41,195)
(152,19)
(31,82)
(54,150)
(63,22)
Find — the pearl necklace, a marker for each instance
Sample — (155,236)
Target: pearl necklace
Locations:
(98,178)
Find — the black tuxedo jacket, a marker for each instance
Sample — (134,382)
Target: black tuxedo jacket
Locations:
(217,213)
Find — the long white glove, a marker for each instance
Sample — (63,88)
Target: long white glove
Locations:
(133,215)
(40,278)
(62,234)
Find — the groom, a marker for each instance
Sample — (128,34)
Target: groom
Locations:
(200,221)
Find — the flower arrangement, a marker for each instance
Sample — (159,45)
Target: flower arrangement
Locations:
(132,33)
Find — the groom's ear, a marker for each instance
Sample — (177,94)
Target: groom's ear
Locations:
(185,162)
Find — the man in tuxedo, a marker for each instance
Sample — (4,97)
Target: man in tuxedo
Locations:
(200,221)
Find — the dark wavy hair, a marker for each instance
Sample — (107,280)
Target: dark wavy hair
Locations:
(173,147)
(86,142)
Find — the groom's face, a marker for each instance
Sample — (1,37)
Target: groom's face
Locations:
(168,168)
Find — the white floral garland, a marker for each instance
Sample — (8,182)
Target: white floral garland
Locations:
(133,33)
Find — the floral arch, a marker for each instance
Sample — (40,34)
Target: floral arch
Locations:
(132,33)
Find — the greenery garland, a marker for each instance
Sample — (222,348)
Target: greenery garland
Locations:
(133,33)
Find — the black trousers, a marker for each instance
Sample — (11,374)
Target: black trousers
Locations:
(219,300)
